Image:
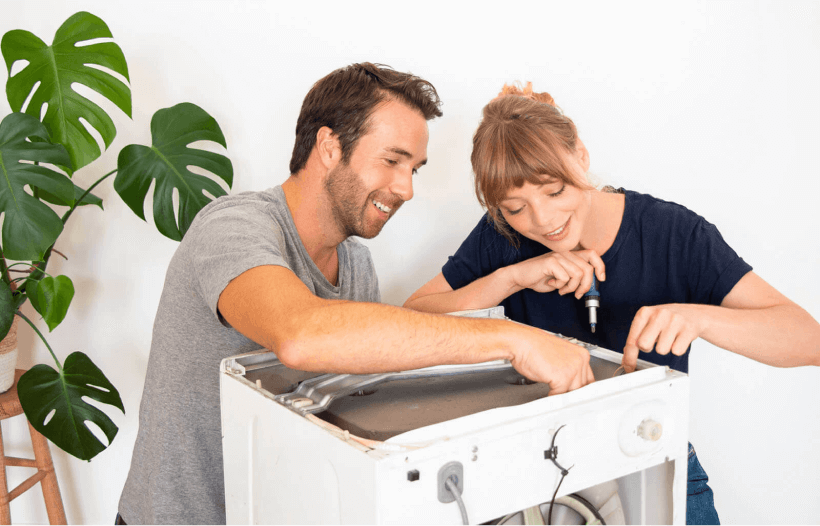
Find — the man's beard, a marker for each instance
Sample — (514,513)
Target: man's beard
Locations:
(349,203)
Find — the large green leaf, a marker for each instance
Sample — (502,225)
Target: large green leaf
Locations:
(167,161)
(43,390)
(56,68)
(6,309)
(54,295)
(89,199)
(29,226)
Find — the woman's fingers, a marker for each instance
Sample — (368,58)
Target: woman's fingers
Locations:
(594,260)
(566,272)
(662,328)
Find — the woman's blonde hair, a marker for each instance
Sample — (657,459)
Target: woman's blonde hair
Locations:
(523,137)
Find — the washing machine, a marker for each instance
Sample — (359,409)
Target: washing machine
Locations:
(453,444)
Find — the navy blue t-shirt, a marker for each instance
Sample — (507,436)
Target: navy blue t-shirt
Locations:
(663,253)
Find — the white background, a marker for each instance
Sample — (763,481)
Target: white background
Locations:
(712,105)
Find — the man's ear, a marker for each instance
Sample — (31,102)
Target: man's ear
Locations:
(328,147)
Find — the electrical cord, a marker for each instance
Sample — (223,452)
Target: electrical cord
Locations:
(452,487)
(552,454)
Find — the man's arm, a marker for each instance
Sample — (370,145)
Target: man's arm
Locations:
(272,307)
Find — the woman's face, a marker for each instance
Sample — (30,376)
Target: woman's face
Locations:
(552,213)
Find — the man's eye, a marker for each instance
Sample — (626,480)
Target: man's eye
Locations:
(392,162)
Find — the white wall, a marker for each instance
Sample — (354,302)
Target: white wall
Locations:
(712,105)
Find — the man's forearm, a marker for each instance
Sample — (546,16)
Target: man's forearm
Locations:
(360,338)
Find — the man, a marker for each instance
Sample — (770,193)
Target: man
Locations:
(279,269)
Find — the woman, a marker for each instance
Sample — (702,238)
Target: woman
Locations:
(667,276)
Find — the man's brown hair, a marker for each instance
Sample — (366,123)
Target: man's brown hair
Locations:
(345,99)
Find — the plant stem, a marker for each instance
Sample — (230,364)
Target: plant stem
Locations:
(59,365)
(4,270)
(41,266)
(80,200)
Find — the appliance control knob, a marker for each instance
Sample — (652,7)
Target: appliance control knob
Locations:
(650,430)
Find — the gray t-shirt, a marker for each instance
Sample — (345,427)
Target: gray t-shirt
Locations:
(176,471)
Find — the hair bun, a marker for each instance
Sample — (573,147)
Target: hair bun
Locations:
(516,90)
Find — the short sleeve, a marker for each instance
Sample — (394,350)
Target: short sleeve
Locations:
(483,252)
(228,242)
(714,268)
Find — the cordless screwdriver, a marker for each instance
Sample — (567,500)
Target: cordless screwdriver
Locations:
(592,300)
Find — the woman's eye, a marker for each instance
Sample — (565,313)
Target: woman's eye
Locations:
(559,192)
(513,212)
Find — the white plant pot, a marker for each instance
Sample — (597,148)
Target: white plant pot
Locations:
(8,358)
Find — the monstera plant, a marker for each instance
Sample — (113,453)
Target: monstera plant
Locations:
(40,161)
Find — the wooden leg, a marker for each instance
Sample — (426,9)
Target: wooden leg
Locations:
(5,512)
(51,491)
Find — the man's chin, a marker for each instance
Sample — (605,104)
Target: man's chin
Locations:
(370,231)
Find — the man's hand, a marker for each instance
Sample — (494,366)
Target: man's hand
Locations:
(554,361)
(566,272)
(665,328)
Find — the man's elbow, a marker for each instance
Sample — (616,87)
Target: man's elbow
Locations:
(291,354)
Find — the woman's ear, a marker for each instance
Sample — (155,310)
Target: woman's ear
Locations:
(328,147)
(582,154)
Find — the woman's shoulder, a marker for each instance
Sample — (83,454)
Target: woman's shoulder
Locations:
(649,210)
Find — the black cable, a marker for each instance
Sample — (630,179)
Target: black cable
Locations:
(552,454)
(549,516)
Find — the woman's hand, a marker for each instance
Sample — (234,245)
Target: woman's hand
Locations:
(566,272)
(672,327)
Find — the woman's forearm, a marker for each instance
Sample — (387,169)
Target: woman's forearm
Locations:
(482,293)
(782,335)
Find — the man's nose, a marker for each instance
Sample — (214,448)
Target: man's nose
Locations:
(402,185)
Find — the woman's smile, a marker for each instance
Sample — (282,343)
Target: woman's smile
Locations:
(560,233)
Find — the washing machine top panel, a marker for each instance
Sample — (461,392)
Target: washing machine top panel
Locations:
(395,406)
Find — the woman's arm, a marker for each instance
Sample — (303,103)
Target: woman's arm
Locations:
(567,272)
(753,320)
(439,297)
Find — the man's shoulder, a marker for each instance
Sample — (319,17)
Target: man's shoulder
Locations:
(250,200)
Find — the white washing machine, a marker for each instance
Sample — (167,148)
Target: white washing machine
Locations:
(380,449)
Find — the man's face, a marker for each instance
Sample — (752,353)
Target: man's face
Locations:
(365,192)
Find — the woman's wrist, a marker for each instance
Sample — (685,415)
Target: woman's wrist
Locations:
(506,282)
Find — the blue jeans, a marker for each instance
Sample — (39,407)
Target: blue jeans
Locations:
(700,501)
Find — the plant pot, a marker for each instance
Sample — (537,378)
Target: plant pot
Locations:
(8,357)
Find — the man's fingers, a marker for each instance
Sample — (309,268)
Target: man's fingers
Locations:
(556,388)
(589,376)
